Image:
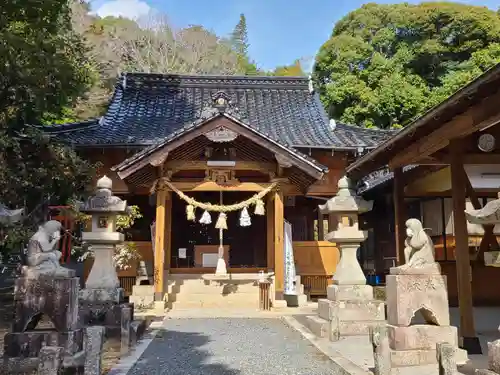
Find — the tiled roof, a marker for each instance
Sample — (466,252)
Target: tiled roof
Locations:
(209,113)
(378,178)
(148,108)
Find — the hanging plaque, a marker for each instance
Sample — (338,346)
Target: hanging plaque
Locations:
(182,253)
(221,135)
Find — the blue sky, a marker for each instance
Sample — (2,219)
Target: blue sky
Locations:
(279,31)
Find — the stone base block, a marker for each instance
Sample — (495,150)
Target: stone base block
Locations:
(29,344)
(351,310)
(318,326)
(404,358)
(349,292)
(57,298)
(142,301)
(279,303)
(114,295)
(407,294)
(420,336)
(295,300)
(494,355)
(143,290)
(107,315)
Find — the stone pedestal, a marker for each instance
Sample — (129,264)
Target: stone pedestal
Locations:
(57,299)
(104,307)
(350,308)
(425,293)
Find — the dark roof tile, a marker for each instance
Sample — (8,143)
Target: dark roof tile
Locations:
(148,108)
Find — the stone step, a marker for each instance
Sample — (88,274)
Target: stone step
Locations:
(318,326)
(210,287)
(243,298)
(407,358)
(211,303)
(357,328)
(417,370)
(351,310)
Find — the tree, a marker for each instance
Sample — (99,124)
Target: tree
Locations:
(238,42)
(157,47)
(386,64)
(44,70)
(239,37)
(293,70)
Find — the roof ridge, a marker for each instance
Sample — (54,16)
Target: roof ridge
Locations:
(230,81)
(375,130)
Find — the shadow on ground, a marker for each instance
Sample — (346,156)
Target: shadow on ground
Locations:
(179,353)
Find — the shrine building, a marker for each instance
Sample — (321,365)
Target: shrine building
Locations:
(222,161)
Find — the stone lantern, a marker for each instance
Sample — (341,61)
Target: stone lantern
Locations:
(103,237)
(348,237)
(350,308)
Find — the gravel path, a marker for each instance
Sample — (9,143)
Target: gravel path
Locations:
(230,346)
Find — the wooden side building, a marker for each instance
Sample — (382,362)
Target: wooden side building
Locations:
(451,152)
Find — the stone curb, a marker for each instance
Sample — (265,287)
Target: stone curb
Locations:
(125,364)
(342,366)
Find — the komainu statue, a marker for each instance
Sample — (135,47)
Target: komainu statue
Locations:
(42,258)
(419,250)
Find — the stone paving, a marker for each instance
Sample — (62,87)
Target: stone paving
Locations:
(230,346)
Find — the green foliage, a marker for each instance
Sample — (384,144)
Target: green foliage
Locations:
(293,70)
(386,64)
(44,69)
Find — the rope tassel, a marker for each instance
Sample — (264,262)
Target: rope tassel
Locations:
(245,220)
(190,213)
(221,221)
(205,218)
(259,208)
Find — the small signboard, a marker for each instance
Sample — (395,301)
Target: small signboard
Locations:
(182,253)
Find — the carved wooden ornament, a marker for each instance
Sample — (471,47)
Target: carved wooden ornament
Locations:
(221,135)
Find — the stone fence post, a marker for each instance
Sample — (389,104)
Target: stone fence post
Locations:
(50,360)
(445,353)
(381,350)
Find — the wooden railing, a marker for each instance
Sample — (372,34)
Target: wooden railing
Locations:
(315,285)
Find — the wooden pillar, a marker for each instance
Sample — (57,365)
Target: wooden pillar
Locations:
(270,231)
(159,256)
(168,231)
(467,333)
(321,227)
(399,214)
(332,222)
(279,256)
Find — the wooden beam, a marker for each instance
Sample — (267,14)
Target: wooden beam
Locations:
(466,329)
(190,165)
(476,158)
(399,214)
(159,256)
(213,186)
(479,116)
(279,250)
